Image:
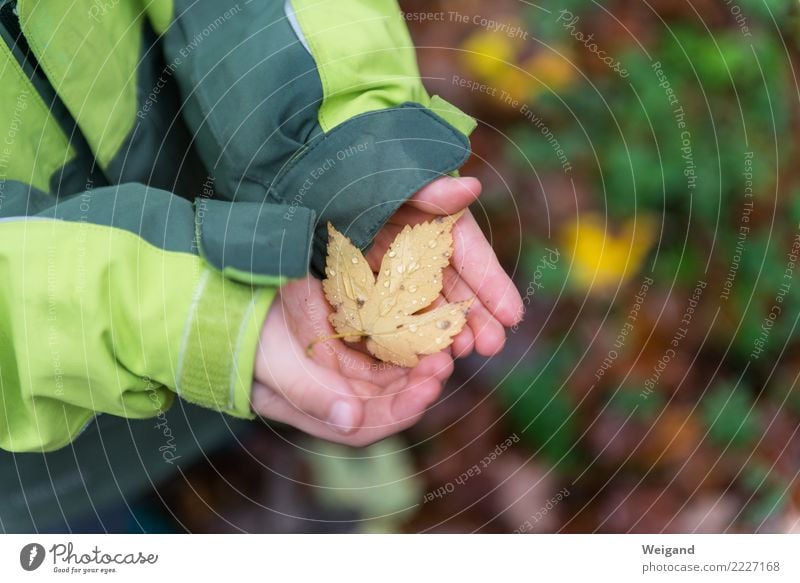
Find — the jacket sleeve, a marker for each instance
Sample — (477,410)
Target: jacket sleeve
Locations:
(313,104)
(106,307)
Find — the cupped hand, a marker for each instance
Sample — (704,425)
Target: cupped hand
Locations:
(342,394)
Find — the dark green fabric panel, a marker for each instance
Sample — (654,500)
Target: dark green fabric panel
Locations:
(112,462)
(251,90)
(261,239)
(159,151)
(21,200)
(157,216)
(360,173)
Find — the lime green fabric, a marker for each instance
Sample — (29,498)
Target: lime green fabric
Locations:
(452,115)
(33,146)
(95,320)
(91,59)
(364,55)
(216,366)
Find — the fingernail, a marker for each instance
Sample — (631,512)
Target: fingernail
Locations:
(342,417)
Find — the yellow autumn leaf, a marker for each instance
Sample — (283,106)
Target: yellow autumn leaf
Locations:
(602,259)
(391,312)
(492,58)
(487,54)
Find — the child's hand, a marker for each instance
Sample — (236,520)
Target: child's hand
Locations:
(345,395)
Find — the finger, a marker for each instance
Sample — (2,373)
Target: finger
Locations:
(273,406)
(306,396)
(310,406)
(477,264)
(488,333)
(399,407)
(384,415)
(464,341)
(435,204)
(357,364)
(408,215)
(424,387)
(382,242)
(414,393)
(351,359)
(439,366)
(446,195)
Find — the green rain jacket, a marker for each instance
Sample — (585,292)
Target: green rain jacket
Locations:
(165,166)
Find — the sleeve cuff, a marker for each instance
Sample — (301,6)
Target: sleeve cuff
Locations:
(255,243)
(357,175)
(218,352)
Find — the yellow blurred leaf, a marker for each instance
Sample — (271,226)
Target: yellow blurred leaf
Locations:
(602,259)
(488,54)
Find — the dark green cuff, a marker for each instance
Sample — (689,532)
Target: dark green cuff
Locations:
(357,175)
(255,243)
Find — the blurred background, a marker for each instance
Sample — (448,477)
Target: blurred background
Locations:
(641,182)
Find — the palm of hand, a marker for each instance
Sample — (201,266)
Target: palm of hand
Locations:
(341,393)
(382,398)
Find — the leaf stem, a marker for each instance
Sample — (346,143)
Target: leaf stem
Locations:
(313,343)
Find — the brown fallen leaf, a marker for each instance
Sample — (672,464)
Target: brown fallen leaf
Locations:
(392,313)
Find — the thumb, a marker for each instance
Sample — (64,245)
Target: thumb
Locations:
(291,388)
(310,404)
(446,195)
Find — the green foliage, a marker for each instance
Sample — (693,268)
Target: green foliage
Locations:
(701,140)
(767,505)
(541,411)
(727,412)
(768,498)
(766,12)
(758,291)
(628,400)
(544,26)
(678,264)
(546,269)
(628,131)
(785,392)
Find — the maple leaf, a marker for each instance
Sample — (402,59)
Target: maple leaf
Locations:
(393,311)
